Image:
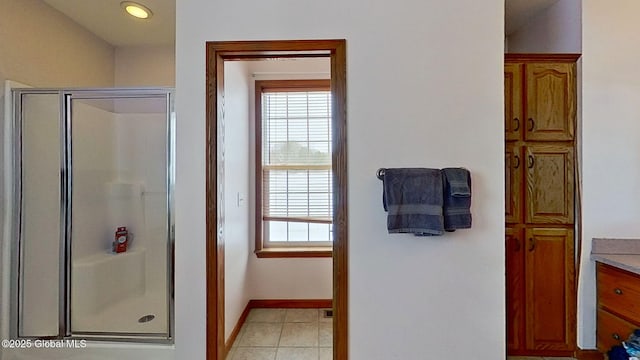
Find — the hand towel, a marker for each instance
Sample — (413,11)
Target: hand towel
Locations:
(457,198)
(413,199)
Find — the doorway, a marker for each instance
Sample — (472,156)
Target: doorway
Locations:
(217,54)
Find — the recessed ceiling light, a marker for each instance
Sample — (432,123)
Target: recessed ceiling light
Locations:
(138,10)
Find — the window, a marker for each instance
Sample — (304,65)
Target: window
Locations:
(294,190)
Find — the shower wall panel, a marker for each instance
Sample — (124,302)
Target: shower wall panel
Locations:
(142,159)
(93,168)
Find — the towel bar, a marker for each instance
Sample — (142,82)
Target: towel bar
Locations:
(380,173)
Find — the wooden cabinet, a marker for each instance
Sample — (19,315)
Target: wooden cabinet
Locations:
(515,296)
(540,294)
(513,109)
(618,305)
(550,184)
(551,101)
(540,110)
(549,290)
(513,183)
(546,171)
(540,101)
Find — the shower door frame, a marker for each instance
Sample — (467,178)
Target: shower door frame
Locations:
(66,186)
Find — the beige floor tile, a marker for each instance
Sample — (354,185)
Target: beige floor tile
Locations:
(254,353)
(301,315)
(326,353)
(299,335)
(261,334)
(266,315)
(297,353)
(325,336)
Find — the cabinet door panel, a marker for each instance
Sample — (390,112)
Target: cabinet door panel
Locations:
(515,299)
(513,116)
(513,183)
(551,102)
(550,295)
(550,187)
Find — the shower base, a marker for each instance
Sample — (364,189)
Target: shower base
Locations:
(122,317)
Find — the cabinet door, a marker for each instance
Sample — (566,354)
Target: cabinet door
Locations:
(549,272)
(550,184)
(513,116)
(513,183)
(515,299)
(551,101)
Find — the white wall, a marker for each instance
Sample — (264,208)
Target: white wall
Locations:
(611,146)
(236,202)
(418,114)
(145,66)
(41,47)
(247,276)
(557,29)
(273,278)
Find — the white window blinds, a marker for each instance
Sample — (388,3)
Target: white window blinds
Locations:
(296,166)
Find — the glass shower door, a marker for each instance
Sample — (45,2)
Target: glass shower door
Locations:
(119,206)
(39,227)
(92,219)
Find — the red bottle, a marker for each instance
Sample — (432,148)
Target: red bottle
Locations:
(121,240)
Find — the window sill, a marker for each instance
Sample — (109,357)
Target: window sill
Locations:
(295,252)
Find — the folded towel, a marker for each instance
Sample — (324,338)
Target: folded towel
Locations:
(618,352)
(413,199)
(457,198)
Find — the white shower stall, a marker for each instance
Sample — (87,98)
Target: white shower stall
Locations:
(88,164)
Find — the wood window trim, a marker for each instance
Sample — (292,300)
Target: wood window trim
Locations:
(260,249)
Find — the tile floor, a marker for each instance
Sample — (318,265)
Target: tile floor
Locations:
(295,334)
(284,334)
(537,358)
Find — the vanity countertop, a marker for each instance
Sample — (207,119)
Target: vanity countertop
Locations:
(620,253)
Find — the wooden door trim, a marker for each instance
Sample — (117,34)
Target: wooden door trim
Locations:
(216,53)
(541,58)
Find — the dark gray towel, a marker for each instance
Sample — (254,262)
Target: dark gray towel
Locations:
(457,198)
(413,199)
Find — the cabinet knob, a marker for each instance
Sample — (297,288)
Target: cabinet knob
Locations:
(617,291)
(615,336)
(517,121)
(517,161)
(532,244)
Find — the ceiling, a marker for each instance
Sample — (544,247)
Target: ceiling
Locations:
(107,19)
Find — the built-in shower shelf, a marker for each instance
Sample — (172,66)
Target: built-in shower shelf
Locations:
(108,256)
